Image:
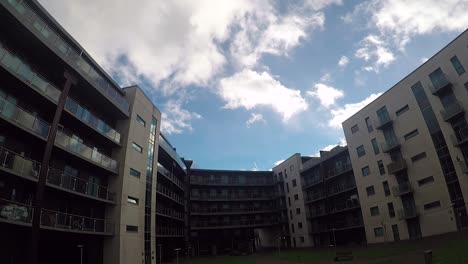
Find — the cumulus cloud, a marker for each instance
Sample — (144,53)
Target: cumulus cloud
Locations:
(373,48)
(254,118)
(175,119)
(330,147)
(342,113)
(250,89)
(326,94)
(278,162)
(343,61)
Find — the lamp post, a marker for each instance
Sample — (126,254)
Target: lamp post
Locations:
(81,253)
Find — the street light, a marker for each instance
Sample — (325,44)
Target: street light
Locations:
(81,253)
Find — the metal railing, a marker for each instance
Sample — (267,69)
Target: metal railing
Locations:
(208,211)
(402,188)
(315,196)
(169,193)
(340,207)
(460,137)
(166,173)
(396,166)
(407,213)
(162,231)
(383,122)
(217,224)
(439,84)
(23,118)
(311,182)
(84,151)
(452,110)
(169,212)
(170,150)
(389,146)
(335,189)
(231,197)
(339,170)
(15,212)
(229,181)
(19,164)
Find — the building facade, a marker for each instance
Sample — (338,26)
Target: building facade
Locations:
(409,154)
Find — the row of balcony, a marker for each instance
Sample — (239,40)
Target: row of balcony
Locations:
(166,146)
(397,166)
(228,197)
(309,182)
(230,210)
(19,165)
(338,170)
(333,190)
(335,208)
(17,213)
(64,50)
(169,193)
(439,84)
(166,173)
(230,181)
(336,226)
(168,212)
(162,231)
(24,72)
(213,224)
(460,137)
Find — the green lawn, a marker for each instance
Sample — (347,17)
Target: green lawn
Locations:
(453,252)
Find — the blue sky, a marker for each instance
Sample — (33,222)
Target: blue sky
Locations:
(243,84)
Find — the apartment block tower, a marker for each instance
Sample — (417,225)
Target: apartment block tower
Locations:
(332,200)
(78,154)
(409,151)
(235,211)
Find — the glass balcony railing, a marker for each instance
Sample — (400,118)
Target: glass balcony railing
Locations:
(230,181)
(169,212)
(439,82)
(452,110)
(23,118)
(170,150)
(162,231)
(407,213)
(384,121)
(222,197)
(335,171)
(169,193)
(15,212)
(90,119)
(23,71)
(63,49)
(18,164)
(231,210)
(397,166)
(166,173)
(402,189)
(464,166)
(312,197)
(460,137)
(80,149)
(217,224)
(390,146)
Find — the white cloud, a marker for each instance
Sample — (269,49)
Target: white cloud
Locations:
(374,48)
(249,89)
(326,94)
(330,147)
(175,119)
(342,113)
(424,59)
(343,61)
(326,78)
(255,118)
(278,162)
(320,4)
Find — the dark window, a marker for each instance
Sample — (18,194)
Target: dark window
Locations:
(136,147)
(426,180)
(374,211)
(378,232)
(360,151)
(386,188)
(370,190)
(419,156)
(438,78)
(411,134)
(400,111)
(375,146)
(132,200)
(296,197)
(292,228)
(289,201)
(299,225)
(365,171)
(354,129)
(432,205)
(391,210)
(381,167)
(382,114)
(290,214)
(294,183)
(285,174)
(287,187)
(298,210)
(140,120)
(466,86)
(457,65)
(369,125)
(135,173)
(302,239)
(131,228)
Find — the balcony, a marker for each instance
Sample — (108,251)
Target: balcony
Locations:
(460,137)
(397,166)
(213,224)
(199,180)
(231,197)
(407,213)
(317,213)
(311,182)
(316,196)
(383,122)
(170,176)
(402,189)
(342,187)
(162,231)
(171,213)
(464,166)
(440,84)
(166,146)
(167,192)
(19,165)
(23,119)
(81,150)
(452,110)
(336,171)
(22,214)
(231,210)
(390,146)
(342,207)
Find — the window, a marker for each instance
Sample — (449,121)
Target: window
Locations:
(302,239)
(374,211)
(140,120)
(426,180)
(354,129)
(411,134)
(365,171)
(360,151)
(391,210)
(299,225)
(432,205)
(290,214)
(298,210)
(369,125)
(466,86)
(132,200)
(419,156)
(289,201)
(131,228)
(382,113)
(136,147)
(381,167)
(375,146)
(294,183)
(135,173)
(296,197)
(285,174)
(292,228)
(438,78)
(457,65)
(291,168)
(370,191)
(378,232)
(386,188)
(287,187)
(400,111)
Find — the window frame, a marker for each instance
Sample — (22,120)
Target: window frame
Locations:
(363,153)
(365,168)
(140,120)
(370,188)
(374,210)
(137,147)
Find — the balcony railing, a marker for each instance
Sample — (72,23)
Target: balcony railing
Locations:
(440,84)
(18,164)
(14,212)
(233,197)
(342,187)
(317,212)
(460,137)
(339,225)
(63,49)
(407,213)
(166,173)
(170,150)
(23,118)
(23,71)
(232,223)
(162,231)
(169,193)
(397,166)
(464,166)
(75,184)
(230,181)
(452,110)
(80,149)
(340,207)
(311,182)
(315,197)
(383,122)
(402,189)
(390,146)
(231,210)
(169,212)
(335,171)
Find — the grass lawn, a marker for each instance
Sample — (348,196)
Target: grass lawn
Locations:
(453,252)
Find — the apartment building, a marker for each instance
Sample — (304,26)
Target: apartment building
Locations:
(290,173)
(409,151)
(78,154)
(228,208)
(332,200)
